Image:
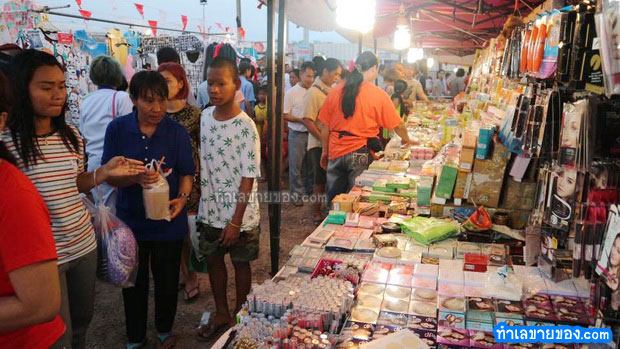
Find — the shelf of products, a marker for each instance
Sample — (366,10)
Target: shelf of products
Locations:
(507,211)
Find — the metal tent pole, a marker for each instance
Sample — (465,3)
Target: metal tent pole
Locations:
(359,48)
(275,98)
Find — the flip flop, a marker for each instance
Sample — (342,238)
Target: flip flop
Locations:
(317,221)
(166,339)
(209,332)
(186,296)
(137,345)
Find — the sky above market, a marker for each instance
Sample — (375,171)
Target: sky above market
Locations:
(168,14)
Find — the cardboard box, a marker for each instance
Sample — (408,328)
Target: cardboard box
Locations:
(445,184)
(519,195)
(467,159)
(345,202)
(485,139)
(488,177)
(476,262)
(425,189)
(463,182)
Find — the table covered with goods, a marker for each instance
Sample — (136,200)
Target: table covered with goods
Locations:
(386,271)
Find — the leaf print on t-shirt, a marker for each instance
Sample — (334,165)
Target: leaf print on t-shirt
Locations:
(231,156)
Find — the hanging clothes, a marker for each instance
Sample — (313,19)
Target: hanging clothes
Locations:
(89,44)
(117,44)
(133,40)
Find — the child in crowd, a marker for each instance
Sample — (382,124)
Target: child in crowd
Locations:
(260,114)
(228,217)
(260,110)
(397,98)
(400,86)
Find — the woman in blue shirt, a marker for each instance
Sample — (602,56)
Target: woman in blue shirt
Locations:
(149,134)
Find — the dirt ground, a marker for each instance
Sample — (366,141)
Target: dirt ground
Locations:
(107,329)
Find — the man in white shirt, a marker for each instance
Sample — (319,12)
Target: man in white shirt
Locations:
(298,133)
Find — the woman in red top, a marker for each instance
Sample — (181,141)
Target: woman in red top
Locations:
(29,283)
(350,121)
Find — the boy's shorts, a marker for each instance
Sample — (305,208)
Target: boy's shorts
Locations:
(245,250)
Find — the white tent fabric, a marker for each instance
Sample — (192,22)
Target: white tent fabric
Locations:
(320,15)
(316,15)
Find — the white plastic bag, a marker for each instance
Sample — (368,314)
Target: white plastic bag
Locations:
(117,261)
(157,197)
(503,284)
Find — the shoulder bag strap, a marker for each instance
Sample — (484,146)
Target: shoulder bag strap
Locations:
(114,105)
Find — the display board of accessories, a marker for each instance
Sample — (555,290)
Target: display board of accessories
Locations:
(507,211)
(190,49)
(133,50)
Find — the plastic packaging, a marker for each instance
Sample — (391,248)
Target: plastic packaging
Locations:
(504,284)
(479,221)
(530,48)
(117,261)
(539,47)
(429,230)
(157,197)
(525,50)
(608,30)
(551,51)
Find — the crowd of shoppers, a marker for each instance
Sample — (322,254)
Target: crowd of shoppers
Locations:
(210,151)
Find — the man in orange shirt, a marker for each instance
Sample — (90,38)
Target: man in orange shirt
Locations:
(353,114)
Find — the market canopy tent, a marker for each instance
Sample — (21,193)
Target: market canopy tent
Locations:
(456,27)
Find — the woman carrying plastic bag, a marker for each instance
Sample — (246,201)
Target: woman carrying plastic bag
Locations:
(117,261)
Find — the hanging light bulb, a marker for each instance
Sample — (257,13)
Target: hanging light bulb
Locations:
(356,14)
(402,37)
(414,54)
(430,62)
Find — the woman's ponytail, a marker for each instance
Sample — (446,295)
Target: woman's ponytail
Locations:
(351,89)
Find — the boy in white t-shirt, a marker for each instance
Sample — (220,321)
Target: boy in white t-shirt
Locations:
(228,217)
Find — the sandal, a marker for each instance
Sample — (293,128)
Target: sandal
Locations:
(317,220)
(137,345)
(167,340)
(190,296)
(209,331)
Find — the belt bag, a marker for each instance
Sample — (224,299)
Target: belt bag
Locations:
(373,143)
